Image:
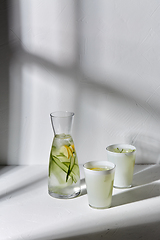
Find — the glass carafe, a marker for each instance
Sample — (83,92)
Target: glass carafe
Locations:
(64,174)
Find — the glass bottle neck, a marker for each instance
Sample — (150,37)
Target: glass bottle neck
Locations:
(62,122)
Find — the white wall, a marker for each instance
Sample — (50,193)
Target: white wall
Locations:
(100,59)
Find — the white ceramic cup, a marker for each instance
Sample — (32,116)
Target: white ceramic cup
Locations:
(124,162)
(99,183)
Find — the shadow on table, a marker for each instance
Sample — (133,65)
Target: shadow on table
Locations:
(147,231)
(140,191)
(136,194)
(4,169)
(144,231)
(16,188)
(23,188)
(149,174)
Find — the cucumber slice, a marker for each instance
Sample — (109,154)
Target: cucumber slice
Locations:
(68,172)
(62,158)
(71,165)
(60,164)
(117,150)
(50,165)
(57,172)
(65,166)
(75,172)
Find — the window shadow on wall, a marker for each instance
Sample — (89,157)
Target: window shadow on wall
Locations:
(75,74)
(11,123)
(5,55)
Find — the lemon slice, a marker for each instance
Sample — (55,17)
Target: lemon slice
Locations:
(66,151)
(72,148)
(70,152)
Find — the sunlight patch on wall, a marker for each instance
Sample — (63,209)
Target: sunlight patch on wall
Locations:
(48,30)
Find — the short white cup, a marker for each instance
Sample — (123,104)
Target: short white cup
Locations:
(124,164)
(99,183)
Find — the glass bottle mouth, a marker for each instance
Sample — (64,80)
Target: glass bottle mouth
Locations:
(62,122)
(62,114)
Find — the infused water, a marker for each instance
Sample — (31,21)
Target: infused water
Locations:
(64,174)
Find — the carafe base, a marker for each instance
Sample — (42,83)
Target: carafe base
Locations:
(60,196)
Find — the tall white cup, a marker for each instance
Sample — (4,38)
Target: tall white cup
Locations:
(123,156)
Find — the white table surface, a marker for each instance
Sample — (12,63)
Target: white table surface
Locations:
(28,212)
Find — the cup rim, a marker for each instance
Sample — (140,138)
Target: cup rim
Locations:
(100,163)
(121,145)
(61,114)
